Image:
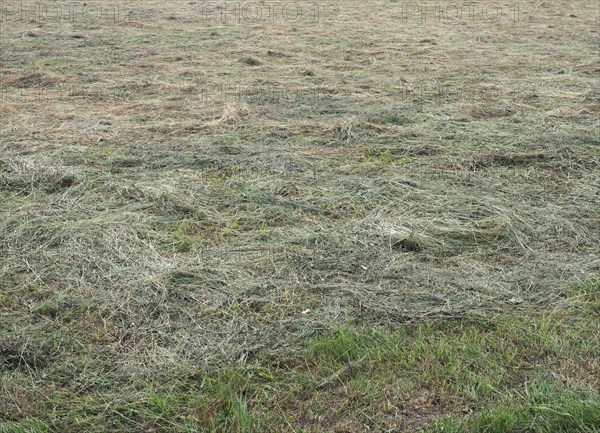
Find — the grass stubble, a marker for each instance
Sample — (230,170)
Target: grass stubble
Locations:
(365,222)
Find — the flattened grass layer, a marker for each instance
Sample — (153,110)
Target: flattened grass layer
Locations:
(358,220)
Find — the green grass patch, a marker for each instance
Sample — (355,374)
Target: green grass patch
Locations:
(527,371)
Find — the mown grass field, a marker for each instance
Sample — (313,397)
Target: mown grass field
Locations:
(299,217)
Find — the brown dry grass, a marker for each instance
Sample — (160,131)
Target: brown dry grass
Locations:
(180,193)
